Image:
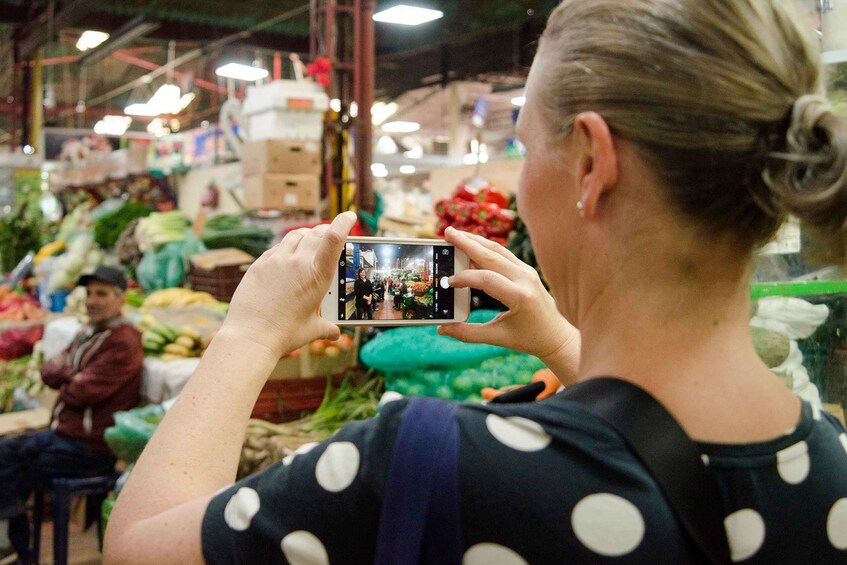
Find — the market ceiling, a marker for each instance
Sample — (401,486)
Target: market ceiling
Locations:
(490,41)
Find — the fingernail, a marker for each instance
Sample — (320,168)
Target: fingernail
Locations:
(450,280)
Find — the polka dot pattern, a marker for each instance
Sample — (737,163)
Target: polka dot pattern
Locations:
(518,433)
(836,525)
(338,466)
(305,448)
(793,463)
(241,508)
(304,548)
(843,438)
(745,531)
(816,412)
(390,396)
(490,553)
(705,459)
(607,524)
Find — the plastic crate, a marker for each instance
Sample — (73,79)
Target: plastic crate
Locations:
(283,400)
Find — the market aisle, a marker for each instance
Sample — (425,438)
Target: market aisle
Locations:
(385,310)
(84,548)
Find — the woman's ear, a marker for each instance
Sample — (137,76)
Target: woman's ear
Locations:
(597,160)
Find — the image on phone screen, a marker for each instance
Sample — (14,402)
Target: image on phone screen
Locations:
(389,281)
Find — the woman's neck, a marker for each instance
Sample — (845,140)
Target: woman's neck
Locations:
(689,345)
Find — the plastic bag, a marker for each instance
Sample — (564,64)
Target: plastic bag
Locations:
(166,267)
(132,430)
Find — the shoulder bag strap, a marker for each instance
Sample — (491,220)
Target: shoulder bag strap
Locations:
(668,454)
(420,521)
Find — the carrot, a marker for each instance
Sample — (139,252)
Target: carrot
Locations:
(488,393)
(551,383)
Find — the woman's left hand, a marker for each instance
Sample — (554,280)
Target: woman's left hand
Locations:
(277,302)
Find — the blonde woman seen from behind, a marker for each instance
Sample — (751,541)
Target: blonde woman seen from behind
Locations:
(666,140)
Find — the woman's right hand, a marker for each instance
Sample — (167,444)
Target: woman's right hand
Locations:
(532,324)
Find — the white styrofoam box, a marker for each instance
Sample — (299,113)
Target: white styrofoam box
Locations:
(285,109)
(286,125)
(291,95)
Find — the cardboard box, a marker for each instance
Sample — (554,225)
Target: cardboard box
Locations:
(282,192)
(280,156)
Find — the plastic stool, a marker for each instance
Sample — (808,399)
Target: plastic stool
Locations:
(61,491)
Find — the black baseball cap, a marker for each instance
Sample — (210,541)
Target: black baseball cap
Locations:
(108,275)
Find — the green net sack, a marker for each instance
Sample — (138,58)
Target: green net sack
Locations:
(420,347)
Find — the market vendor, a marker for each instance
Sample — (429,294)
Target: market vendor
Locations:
(96,376)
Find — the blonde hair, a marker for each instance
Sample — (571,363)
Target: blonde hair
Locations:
(723,98)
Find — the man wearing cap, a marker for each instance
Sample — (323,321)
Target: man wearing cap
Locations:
(96,376)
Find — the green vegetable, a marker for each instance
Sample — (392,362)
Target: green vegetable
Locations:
(160,228)
(109,227)
(228,231)
(350,402)
(20,233)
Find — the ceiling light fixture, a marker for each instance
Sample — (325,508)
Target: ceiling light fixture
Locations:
(407,15)
(519,100)
(241,72)
(401,127)
(379,170)
(407,169)
(112,125)
(381,111)
(91,39)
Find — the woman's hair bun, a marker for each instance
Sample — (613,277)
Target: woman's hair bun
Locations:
(808,174)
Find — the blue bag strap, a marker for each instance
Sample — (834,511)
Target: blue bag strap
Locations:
(420,520)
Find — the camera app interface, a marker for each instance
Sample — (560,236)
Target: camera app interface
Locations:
(388,281)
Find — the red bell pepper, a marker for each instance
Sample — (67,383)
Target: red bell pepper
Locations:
(442,209)
(465,192)
(494,196)
(485,212)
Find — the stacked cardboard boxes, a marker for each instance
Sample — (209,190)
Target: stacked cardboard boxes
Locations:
(282,174)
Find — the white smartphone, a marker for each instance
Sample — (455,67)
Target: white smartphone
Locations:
(397,282)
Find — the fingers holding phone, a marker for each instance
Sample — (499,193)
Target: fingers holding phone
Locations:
(276,303)
(532,324)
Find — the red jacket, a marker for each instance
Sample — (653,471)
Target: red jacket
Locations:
(98,375)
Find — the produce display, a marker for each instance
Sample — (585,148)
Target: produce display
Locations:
(108,228)
(266,443)
(16,307)
(82,255)
(477,208)
(20,233)
(178,297)
(22,374)
(160,228)
(170,342)
(229,230)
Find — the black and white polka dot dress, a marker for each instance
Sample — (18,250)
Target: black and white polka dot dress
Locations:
(541,482)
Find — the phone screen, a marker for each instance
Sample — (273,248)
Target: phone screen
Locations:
(391,281)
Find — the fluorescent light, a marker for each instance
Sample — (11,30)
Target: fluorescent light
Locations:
(519,100)
(379,170)
(414,153)
(241,72)
(166,100)
(335,105)
(139,109)
(407,169)
(401,127)
(157,127)
(381,111)
(112,125)
(185,100)
(470,159)
(386,146)
(91,39)
(407,15)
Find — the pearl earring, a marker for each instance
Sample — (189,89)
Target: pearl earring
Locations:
(581,207)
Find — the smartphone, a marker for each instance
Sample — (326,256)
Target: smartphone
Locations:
(397,282)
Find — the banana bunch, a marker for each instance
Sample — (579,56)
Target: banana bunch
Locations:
(178,297)
(170,343)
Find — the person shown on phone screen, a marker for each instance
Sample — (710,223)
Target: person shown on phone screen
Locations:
(666,141)
(364,295)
